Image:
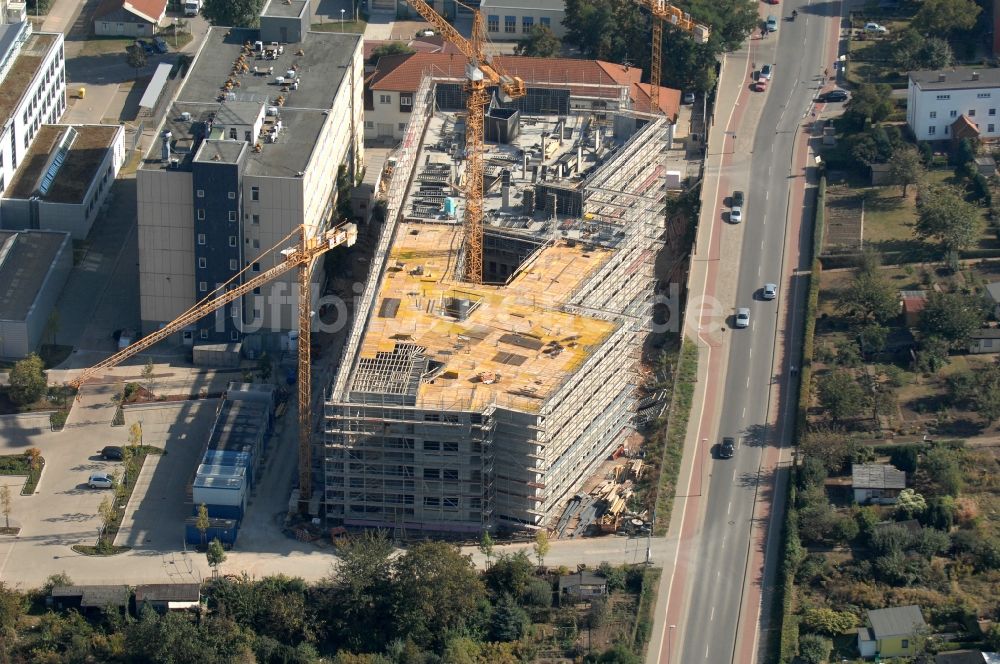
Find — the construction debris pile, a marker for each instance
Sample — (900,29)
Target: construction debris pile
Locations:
(605,509)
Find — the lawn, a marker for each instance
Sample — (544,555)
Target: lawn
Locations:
(357,27)
(105,45)
(20,464)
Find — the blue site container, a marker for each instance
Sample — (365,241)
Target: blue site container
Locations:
(223,529)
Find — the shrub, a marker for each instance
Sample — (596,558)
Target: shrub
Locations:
(987,555)
(57,420)
(905,458)
(814,649)
(827,621)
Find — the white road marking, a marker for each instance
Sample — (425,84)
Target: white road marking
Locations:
(730,508)
(744,412)
(734,475)
(711,618)
(748,381)
(766,195)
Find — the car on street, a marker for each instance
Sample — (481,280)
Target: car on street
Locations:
(160,45)
(738,198)
(742,317)
(772,2)
(876,29)
(727,448)
(770,291)
(100,481)
(833,95)
(760,85)
(112,453)
(736,214)
(772,23)
(688,98)
(765,73)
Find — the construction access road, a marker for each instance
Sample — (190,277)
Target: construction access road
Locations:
(727,512)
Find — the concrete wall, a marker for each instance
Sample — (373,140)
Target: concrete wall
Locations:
(134,28)
(166,245)
(385,120)
(18,338)
(536,11)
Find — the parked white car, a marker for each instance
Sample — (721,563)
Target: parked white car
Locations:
(100,481)
(875,28)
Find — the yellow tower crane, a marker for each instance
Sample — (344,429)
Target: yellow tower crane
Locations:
(480,73)
(301,255)
(664,11)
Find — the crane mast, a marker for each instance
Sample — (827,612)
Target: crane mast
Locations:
(302,256)
(664,11)
(480,74)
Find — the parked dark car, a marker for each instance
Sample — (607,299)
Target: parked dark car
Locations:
(160,45)
(145,45)
(833,95)
(112,453)
(727,448)
(737,198)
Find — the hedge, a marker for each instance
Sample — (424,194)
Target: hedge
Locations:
(812,304)
(677,421)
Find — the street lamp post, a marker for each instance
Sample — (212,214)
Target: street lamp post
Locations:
(342,20)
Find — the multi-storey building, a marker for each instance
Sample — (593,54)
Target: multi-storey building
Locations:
(32,90)
(250,151)
(937,100)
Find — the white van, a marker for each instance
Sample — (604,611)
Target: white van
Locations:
(192,7)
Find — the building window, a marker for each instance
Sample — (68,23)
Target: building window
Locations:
(983,95)
(432,473)
(256,291)
(953,113)
(933,114)
(247,136)
(432,501)
(449,447)
(232,215)
(232,240)
(546,21)
(202,263)
(201,238)
(932,130)
(255,244)
(255,219)
(233,265)
(256,267)
(384,99)
(493,23)
(202,286)
(972,112)
(904,643)
(203,334)
(990,129)
(255,193)
(993,111)
(232,195)
(201,193)
(942,97)
(510,24)
(946,130)
(450,474)
(201,214)
(406,100)
(402,126)
(234,336)
(232,133)
(527,23)
(369,124)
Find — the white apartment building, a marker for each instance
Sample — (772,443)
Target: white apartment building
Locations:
(32,90)
(511,20)
(937,100)
(235,172)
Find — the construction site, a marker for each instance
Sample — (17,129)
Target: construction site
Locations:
(462,405)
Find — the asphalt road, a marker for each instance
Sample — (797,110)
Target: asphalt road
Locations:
(709,629)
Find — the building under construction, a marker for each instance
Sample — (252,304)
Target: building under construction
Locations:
(460,407)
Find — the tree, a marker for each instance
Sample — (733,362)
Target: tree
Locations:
(905,167)
(943,17)
(944,215)
(827,621)
(538,594)
(135,434)
(135,56)
(202,522)
(841,396)
(392,48)
(618,654)
(942,466)
(436,591)
(486,547)
(904,457)
(814,649)
(910,504)
(510,574)
(834,449)
(541,42)
(932,354)
(236,13)
(107,513)
(361,596)
(870,102)
(979,391)
(510,622)
(992,637)
(216,556)
(870,297)
(541,546)
(911,50)
(952,317)
(5,504)
(27,381)
(147,375)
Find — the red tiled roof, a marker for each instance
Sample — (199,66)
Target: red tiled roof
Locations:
(670,100)
(153,10)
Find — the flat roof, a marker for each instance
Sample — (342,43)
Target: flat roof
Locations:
(239,423)
(321,62)
(29,61)
(25,259)
(78,169)
(877,476)
(155,86)
(284,8)
(958,78)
